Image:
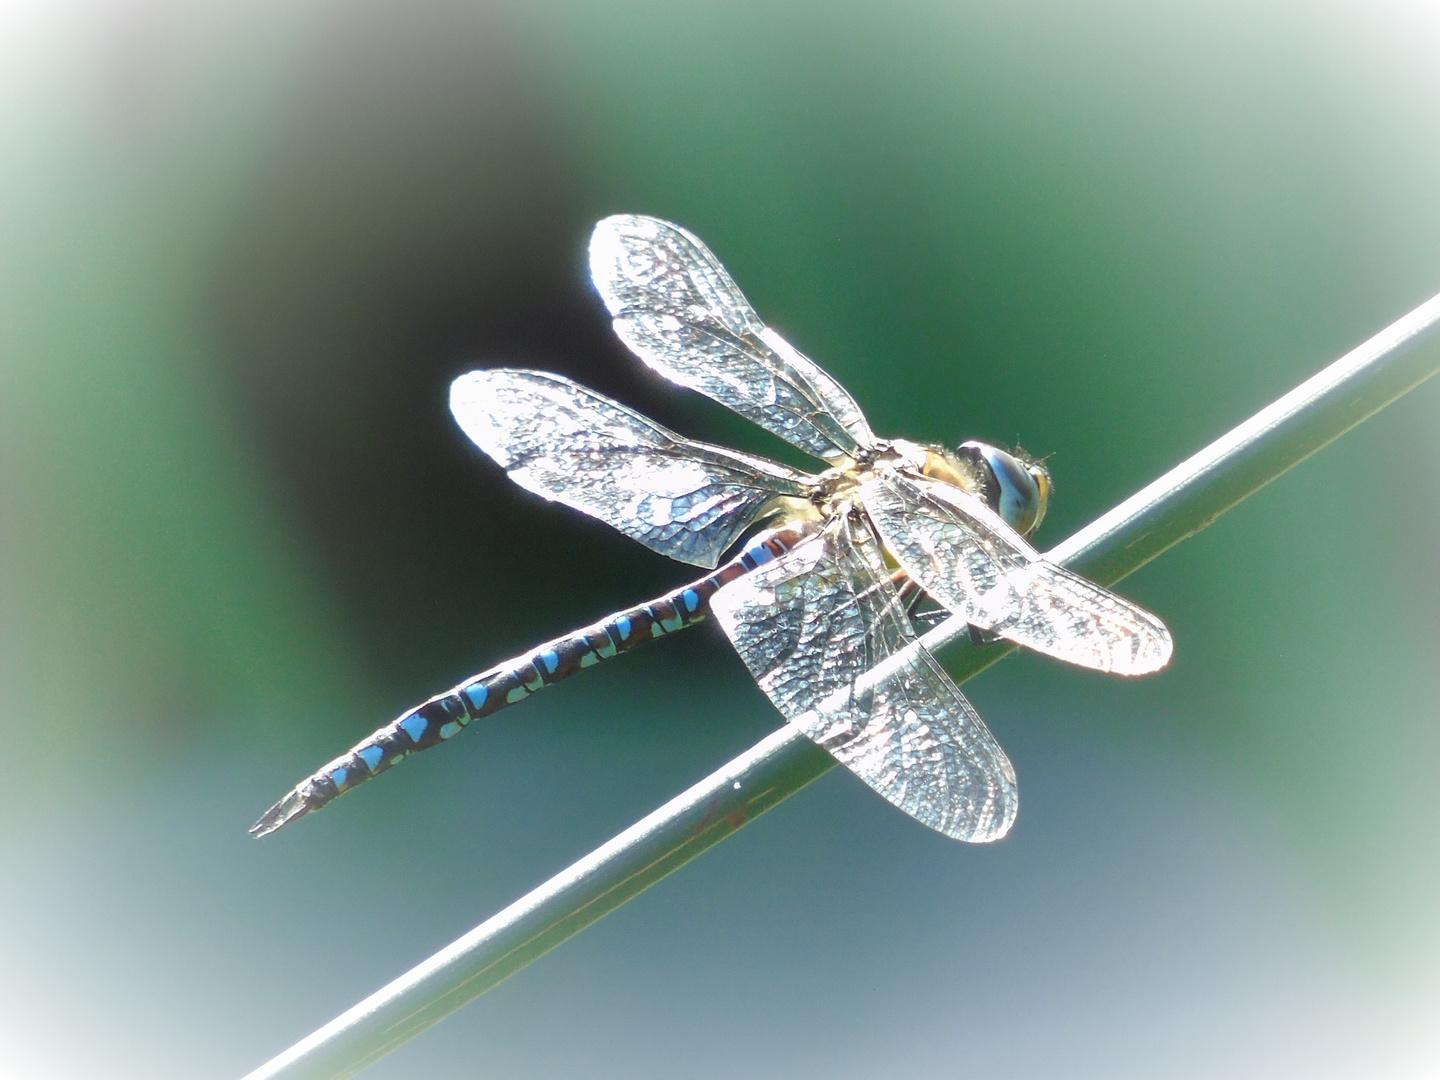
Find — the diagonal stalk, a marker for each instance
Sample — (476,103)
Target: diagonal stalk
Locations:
(1177,505)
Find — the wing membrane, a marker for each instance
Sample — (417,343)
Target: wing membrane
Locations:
(965,556)
(826,636)
(684,499)
(678,310)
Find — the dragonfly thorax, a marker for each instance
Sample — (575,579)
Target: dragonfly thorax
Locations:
(837,490)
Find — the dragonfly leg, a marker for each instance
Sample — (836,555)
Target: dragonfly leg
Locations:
(980,637)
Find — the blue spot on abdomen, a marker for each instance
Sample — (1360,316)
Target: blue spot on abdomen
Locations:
(372,755)
(476,696)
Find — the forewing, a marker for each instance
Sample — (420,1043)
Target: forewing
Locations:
(825,634)
(680,312)
(965,556)
(684,499)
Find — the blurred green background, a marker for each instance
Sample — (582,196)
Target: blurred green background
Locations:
(245,246)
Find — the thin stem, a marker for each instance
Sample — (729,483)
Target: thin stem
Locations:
(1178,505)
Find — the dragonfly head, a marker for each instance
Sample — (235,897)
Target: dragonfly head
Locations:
(1012,483)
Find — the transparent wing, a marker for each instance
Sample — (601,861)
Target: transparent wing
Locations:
(684,499)
(967,558)
(680,312)
(825,634)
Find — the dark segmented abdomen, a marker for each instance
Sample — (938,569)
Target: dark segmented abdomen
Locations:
(443,716)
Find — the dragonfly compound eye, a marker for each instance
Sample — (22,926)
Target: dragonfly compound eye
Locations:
(1016,490)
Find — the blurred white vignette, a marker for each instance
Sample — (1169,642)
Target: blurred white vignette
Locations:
(244,247)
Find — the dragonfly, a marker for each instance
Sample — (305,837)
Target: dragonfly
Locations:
(833,572)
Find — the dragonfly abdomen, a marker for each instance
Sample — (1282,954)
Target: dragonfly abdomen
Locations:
(445,715)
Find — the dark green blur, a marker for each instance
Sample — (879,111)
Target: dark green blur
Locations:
(245,248)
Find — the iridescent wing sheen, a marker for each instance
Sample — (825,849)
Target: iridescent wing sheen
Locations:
(680,312)
(824,631)
(684,499)
(965,556)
